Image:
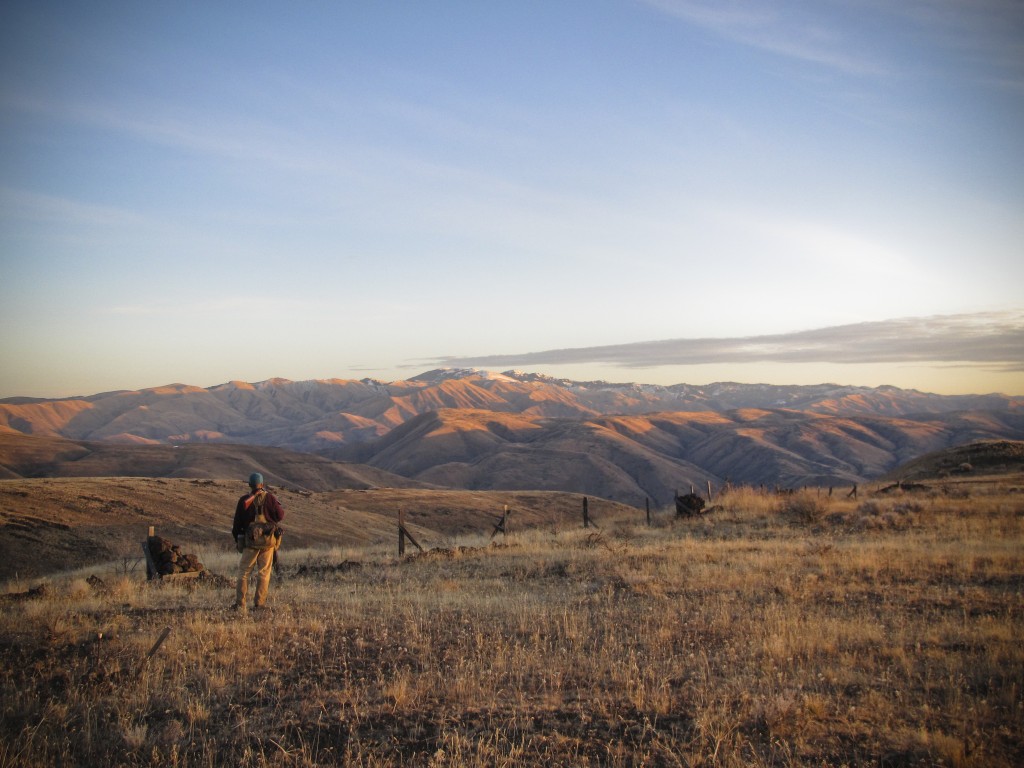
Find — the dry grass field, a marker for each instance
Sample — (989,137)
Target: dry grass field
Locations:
(773,631)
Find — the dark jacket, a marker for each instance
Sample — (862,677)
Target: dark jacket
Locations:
(245,512)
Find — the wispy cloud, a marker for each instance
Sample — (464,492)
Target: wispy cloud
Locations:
(990,338)
(796,36)
(209,135)
(982,35)
(21,205)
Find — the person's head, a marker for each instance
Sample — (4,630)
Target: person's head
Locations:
(255,480)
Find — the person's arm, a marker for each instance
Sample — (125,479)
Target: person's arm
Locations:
(238,526)
(273,509)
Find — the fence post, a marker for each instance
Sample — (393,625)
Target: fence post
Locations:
(153,650)
(586,513)
(647,504)
(503,524)
(401,533)
(152,572)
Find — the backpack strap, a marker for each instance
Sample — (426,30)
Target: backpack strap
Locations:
(259,500)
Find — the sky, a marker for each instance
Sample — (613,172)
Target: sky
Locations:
(663,191)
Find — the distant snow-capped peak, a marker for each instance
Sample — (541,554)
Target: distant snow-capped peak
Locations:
(446,374)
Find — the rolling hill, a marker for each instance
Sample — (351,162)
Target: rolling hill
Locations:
(313,415)
(59,524)
(69,504)
(519,431)
(983,457)
(630,458)
(23,456)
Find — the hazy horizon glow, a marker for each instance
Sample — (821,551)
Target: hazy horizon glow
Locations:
(199,193)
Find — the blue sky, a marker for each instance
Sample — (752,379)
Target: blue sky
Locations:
(787,192)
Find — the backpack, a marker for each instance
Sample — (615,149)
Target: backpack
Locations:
(261,533)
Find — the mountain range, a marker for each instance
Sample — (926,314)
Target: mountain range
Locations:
(478,430)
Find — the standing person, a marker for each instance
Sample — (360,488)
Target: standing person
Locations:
(257,537)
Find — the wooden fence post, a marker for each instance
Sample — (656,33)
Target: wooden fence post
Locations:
(647,504)
(586,513)
(403,534)
(151,570)
(159,642)
(153,650)
(503,524)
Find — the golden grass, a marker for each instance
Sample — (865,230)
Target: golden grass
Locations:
(772,632)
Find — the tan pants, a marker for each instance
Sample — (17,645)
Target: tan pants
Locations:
(263,561)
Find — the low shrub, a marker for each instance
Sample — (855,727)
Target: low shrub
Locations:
(804,507)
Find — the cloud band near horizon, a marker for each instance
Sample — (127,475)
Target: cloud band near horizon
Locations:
(994,339)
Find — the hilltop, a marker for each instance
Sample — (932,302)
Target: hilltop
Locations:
(984,457)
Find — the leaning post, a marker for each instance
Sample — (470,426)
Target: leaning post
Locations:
(401,533)
(502,525)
